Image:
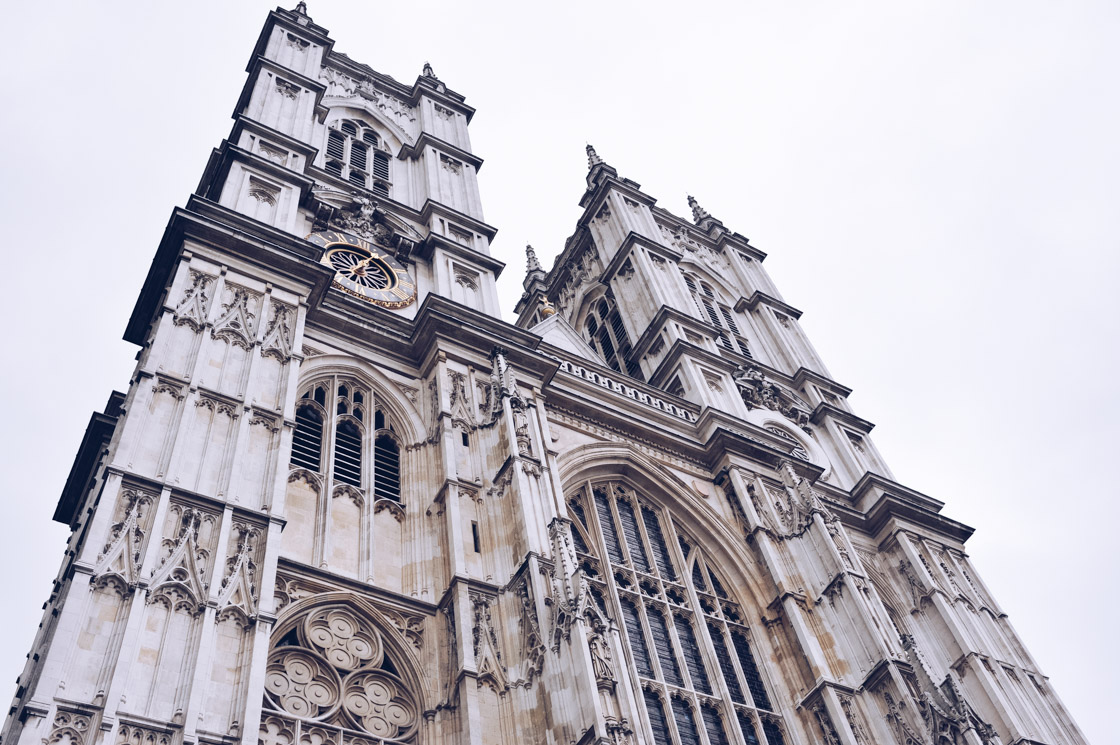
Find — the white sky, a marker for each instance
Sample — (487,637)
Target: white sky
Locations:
(935,183)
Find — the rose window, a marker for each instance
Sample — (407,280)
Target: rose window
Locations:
(329,682)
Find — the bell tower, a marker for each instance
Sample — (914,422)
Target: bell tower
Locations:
(342,502)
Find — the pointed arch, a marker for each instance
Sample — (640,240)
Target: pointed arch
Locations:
(399,409)
(355,642)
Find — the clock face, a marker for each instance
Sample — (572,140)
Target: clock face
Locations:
(362,270)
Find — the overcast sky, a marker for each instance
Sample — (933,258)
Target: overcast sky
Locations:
(935,184)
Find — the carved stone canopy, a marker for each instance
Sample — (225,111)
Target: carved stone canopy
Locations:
(361,215)
(759,391)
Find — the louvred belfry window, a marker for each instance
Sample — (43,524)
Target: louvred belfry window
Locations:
(719,314)
(333,419)
(356,153)
(607,335)
(691,652)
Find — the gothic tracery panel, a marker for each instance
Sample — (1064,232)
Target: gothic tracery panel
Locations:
(330,679)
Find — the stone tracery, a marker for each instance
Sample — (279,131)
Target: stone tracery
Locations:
(331,668)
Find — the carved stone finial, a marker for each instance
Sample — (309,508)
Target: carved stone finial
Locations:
(428,71)
(593,158)
(533,265)
(301,8)
(698,212)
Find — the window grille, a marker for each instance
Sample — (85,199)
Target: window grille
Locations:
(606,524)
(354,153)
(607,335)
(747,726)
(663,646)
(723,657)
(633,540)
(307,441)
(386,469)
(750,670)
(657,721)
(719,315)
(633,623)
(348,454)
(659,622)
(713,725)
(686,725)
(346,439)
(657,543)
(692,658)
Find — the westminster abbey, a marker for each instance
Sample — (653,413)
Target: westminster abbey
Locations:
(342,502)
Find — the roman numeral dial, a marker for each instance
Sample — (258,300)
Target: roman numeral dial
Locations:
(360,270)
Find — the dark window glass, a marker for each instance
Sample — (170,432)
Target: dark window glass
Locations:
(633,624)
(606,522)
(657,719)
(747,726)
(750,670)
(657,545)
(633,540)
(719,644)
(663,646)
(713,725)
(773,732)
(692,657)
(686,726)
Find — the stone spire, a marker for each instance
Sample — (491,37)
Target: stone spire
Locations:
(533,265)
(593,158)
(534,272)
(702,219)
(698,212)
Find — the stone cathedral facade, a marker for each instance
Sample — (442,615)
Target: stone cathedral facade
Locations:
(343,503)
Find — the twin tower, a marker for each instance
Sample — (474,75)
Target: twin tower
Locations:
(342,502)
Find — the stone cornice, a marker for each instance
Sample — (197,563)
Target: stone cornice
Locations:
(747,304)
(434,240)
(272,250)
(804,375)
(626,249)
(825,410)
(426,139)
(431,207)
(260,62)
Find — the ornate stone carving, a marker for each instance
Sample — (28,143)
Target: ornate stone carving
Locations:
(532,642)
(68,728)
(336,675)
(278,335)
(194,306)
(759,391)
(120,558)
(237,594)
(287,89)
(236,324)
(130,734)
(487,653)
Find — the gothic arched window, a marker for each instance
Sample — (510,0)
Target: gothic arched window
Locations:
(718,314)
(356,153)
(689,644)
(607,336)
(342,431)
